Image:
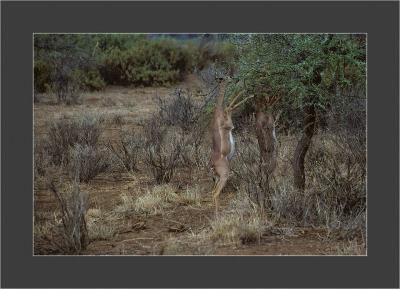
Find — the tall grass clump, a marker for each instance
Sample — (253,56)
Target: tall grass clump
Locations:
(152,202)
(100,224)
(240,223)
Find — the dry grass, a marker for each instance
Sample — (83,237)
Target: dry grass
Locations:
(43,229)
(236,228)
(191,196)
(157,200)
(350,248)
(189,245)
(241,223)
(101,225)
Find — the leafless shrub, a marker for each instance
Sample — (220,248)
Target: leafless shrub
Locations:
(128,149)
(42,160)
(64,133)
(196,153)
(188,115)
(180,111)
(72,230)
(337,178)
(163,149)
(334,196)
(248,174)
(289,204)
(88,161)
(335,192)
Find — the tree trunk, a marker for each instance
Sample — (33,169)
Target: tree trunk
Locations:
(265,131)
(302,148)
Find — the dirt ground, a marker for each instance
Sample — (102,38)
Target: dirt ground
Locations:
(175,231)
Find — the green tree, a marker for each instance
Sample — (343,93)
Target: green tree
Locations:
(307,72)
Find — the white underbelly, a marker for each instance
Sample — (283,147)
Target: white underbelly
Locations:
(232,146)
(274,134)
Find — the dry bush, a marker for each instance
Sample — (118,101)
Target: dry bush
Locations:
(337,181)
(72,234)
(87,161)
(335,192)
(289,204)
(128,149)
(163,149)
(65,133)
(240,223)
(316,207)
(42,160)
(190,115)
(196,152)
(248,175)
(100,225)
(181,111)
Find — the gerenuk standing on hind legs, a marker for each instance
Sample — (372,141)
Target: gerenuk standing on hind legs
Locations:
(222,139)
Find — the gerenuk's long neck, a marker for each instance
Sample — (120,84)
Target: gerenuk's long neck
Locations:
(221,93)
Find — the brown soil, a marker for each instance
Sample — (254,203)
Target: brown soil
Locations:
(171,232)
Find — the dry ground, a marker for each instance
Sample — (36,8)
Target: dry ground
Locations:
(187,226)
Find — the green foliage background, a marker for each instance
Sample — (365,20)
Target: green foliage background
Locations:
(96,60)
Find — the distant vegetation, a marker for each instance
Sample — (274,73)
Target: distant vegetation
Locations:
(68,63)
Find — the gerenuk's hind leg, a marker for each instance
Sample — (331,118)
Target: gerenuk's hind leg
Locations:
(220,185)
